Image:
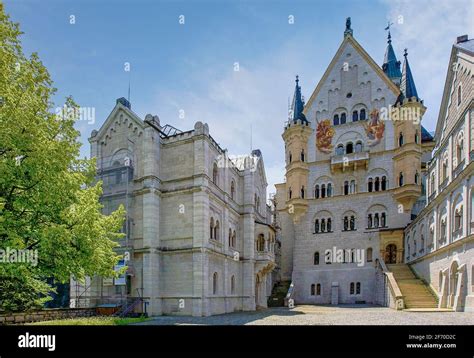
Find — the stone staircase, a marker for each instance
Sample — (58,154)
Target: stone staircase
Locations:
(279,291)
(416,293)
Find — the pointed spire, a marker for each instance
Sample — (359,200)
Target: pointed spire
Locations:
(297,105)
(407,86)
(391,66)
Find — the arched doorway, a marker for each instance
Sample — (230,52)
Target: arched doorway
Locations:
(453,283)
(391,254)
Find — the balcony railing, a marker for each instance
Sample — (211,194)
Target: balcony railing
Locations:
(344,161)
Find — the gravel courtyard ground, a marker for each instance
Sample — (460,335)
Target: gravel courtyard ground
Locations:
(323,315)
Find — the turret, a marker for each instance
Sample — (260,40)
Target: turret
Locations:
(406,115)
(296,135)
(391,66)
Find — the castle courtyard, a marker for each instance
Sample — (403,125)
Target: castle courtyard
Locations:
(323,315)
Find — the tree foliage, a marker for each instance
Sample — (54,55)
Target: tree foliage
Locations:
(49,200)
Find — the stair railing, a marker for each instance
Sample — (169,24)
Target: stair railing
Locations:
(396,299)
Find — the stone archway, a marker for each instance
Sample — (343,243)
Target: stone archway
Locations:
(453,283)
(390,256)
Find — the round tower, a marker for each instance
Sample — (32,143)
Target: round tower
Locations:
(296,134)
(406,115)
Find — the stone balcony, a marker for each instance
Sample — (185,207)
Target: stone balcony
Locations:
(265,261)
(350,161)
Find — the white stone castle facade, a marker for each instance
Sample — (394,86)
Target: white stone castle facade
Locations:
(199,239)
(361,197)
(440,241)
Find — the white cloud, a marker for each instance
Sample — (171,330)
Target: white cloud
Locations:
(234,104)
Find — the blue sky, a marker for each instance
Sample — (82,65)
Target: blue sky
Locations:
(189,68)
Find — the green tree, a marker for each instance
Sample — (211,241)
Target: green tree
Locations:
(49,200)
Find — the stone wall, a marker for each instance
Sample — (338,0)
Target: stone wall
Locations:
(45,315)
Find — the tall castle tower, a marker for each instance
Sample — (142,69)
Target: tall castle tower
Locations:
(295,135)
(406,115)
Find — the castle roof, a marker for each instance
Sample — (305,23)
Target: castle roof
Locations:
(297,105)
(407,85)
(391,66)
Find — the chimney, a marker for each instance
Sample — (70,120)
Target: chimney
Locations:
(462,38)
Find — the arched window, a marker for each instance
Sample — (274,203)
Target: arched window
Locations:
(376,220)
(346,188)
(118,172)
(230,237)
(352,223)
(349,148)
(211,228)
(400,179)
(346,223)
(261,243)
(355,116)
(416,177)
(302,192)
(362,114)
(343,118)
(216,230)
(232,190)
(232,285)
(328,225)
(459,95)
(458,219)
(302,155)
(234,239)
(370,185)
(369,254)
(400,139)
(318,289)
(316,258)
(352,288)
(358,288)
(316,226)
(258,204)
(384,183)
(459,151)
(316,191)
(289,193)
(336,120)
(383,220)
(214,283)
(369,221)
(353,187)
(323,225)
(340,150)
(214,174)
(290,157)
(313,289)
(329,190)
(323,191)
(358,147)
(444,169)
(377,184)
(416,137)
